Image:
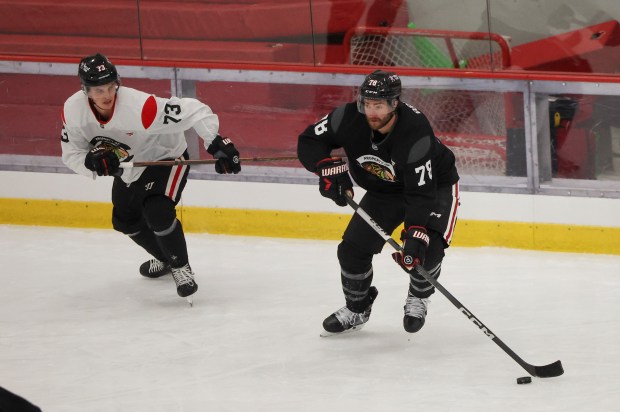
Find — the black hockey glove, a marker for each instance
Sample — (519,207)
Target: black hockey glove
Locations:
(415,241)
(226,154)
(334,180)
(103,161)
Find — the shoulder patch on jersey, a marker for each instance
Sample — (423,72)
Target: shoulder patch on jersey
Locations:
(337,118)
(149,111)
(419,149)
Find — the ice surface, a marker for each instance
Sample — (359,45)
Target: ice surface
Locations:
(81,330)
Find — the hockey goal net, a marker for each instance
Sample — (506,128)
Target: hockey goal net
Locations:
(472,123)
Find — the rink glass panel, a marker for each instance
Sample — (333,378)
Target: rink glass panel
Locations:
(553,35)
(509,135)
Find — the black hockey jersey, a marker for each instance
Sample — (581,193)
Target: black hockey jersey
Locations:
(409,160)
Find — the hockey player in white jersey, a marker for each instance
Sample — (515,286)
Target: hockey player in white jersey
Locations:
(105,124)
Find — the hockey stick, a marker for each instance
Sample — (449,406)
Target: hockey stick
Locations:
(546,371)
(128,165)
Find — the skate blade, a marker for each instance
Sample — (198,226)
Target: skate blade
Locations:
(326,334)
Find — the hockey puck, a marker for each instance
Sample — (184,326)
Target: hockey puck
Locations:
(524,379)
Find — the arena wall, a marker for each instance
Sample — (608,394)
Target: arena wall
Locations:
(550,223)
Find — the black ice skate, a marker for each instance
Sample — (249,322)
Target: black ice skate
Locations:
(184,278)
(415,313)
(154,268)
(344,320)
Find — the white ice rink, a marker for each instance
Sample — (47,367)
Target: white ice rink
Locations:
(82,331)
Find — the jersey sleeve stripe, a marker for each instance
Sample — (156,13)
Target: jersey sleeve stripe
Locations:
(453,213)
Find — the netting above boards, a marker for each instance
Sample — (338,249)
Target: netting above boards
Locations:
(387,46)
(473,124)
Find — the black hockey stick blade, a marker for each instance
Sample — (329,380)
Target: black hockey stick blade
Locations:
(548,371)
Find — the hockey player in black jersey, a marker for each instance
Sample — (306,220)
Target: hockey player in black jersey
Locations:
(409,176)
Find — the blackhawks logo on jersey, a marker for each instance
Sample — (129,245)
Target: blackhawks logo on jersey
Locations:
(120,149)
(378,167)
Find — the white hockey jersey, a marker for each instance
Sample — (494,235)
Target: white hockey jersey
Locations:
(143,127)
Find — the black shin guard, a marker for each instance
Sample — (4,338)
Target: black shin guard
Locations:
(420,287)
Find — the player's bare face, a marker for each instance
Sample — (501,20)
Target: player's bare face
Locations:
(103,96)
(378,113)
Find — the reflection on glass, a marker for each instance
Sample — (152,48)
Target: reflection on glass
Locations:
(548,35)
(239,31)
(585,136)
(560,35)
(69,28)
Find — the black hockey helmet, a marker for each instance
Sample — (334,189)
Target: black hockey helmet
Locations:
(97,70)
(382,85)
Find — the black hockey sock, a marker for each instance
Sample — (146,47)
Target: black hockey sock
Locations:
(172,243)
(147,240)
(355,287)
(420,287)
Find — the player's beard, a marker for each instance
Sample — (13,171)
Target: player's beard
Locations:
(378,123)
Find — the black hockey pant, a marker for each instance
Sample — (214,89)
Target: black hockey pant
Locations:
(360,243)
(145,210)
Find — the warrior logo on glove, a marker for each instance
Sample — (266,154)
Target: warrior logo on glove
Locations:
(334,180)
(415,241)
(227,155)
(334,170)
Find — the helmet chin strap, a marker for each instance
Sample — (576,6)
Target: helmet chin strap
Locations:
(394,104)
(95,104)
(101,110)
